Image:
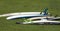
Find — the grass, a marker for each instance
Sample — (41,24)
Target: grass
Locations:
(8,6)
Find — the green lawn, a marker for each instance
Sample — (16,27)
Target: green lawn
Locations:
(8,6)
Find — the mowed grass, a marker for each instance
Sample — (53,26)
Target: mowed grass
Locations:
(8,6)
